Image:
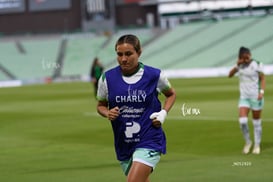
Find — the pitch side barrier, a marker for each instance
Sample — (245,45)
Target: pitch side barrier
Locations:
(170,73)
(11,83)
(206,72)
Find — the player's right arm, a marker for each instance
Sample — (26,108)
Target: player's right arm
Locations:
(103,110)
(234,70)
(102,106)
(261,80)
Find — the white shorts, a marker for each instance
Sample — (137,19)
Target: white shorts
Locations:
(253,104)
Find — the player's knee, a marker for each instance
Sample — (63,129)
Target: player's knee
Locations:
(137,178)
(243,120)
(256,115)
(132,178)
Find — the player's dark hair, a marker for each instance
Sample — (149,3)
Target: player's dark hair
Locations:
(129,39)
(244,50)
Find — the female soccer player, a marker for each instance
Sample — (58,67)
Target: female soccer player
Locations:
(128,97)
(252,85)
(95,73)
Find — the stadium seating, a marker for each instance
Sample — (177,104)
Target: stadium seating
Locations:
(79,54)
(264,53)
(81,51)
(214,45)
(214,48)
(41,57)
(3,77)
(9,57)
(152,53)
(250,38)
(204,44)
(180,53)
(38,61)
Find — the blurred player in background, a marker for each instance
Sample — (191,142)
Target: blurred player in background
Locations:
(252,86)
(128,97)
(95,73)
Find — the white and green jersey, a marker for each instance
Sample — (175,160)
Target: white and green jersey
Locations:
(249,79)
(102,94)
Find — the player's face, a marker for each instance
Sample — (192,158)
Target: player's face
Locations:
(127,58)
(246,57)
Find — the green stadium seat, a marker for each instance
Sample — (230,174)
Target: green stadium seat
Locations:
(32,64)
(215,44)
(80,53)
(3,77)
(264,53)
(204,44)
(257,37)
(157,53)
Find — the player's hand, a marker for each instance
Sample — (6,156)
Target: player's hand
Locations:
(94,80)
(158,118)
(113,113)
(240,61)
(260,96)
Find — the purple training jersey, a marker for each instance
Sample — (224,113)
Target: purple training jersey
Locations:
(133,128)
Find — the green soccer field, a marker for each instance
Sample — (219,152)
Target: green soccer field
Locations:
(53,133)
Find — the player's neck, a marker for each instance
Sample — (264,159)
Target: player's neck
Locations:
(134,71)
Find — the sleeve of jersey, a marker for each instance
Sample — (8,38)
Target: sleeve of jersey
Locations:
(163,83)
(102,93)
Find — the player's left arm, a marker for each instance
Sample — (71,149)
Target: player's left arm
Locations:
(165,87)
(262,86)
(170,95)
(260,70)
(158,118)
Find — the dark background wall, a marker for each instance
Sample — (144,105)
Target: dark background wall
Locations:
(42,21)
(128,14)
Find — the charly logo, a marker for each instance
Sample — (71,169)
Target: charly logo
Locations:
(133,95)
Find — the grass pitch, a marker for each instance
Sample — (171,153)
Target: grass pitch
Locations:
(53,133)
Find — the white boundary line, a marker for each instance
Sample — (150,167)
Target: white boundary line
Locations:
(210,118)
(191,118)
(206,72)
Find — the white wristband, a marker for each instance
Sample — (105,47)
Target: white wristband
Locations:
(262,91)
(160,116)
